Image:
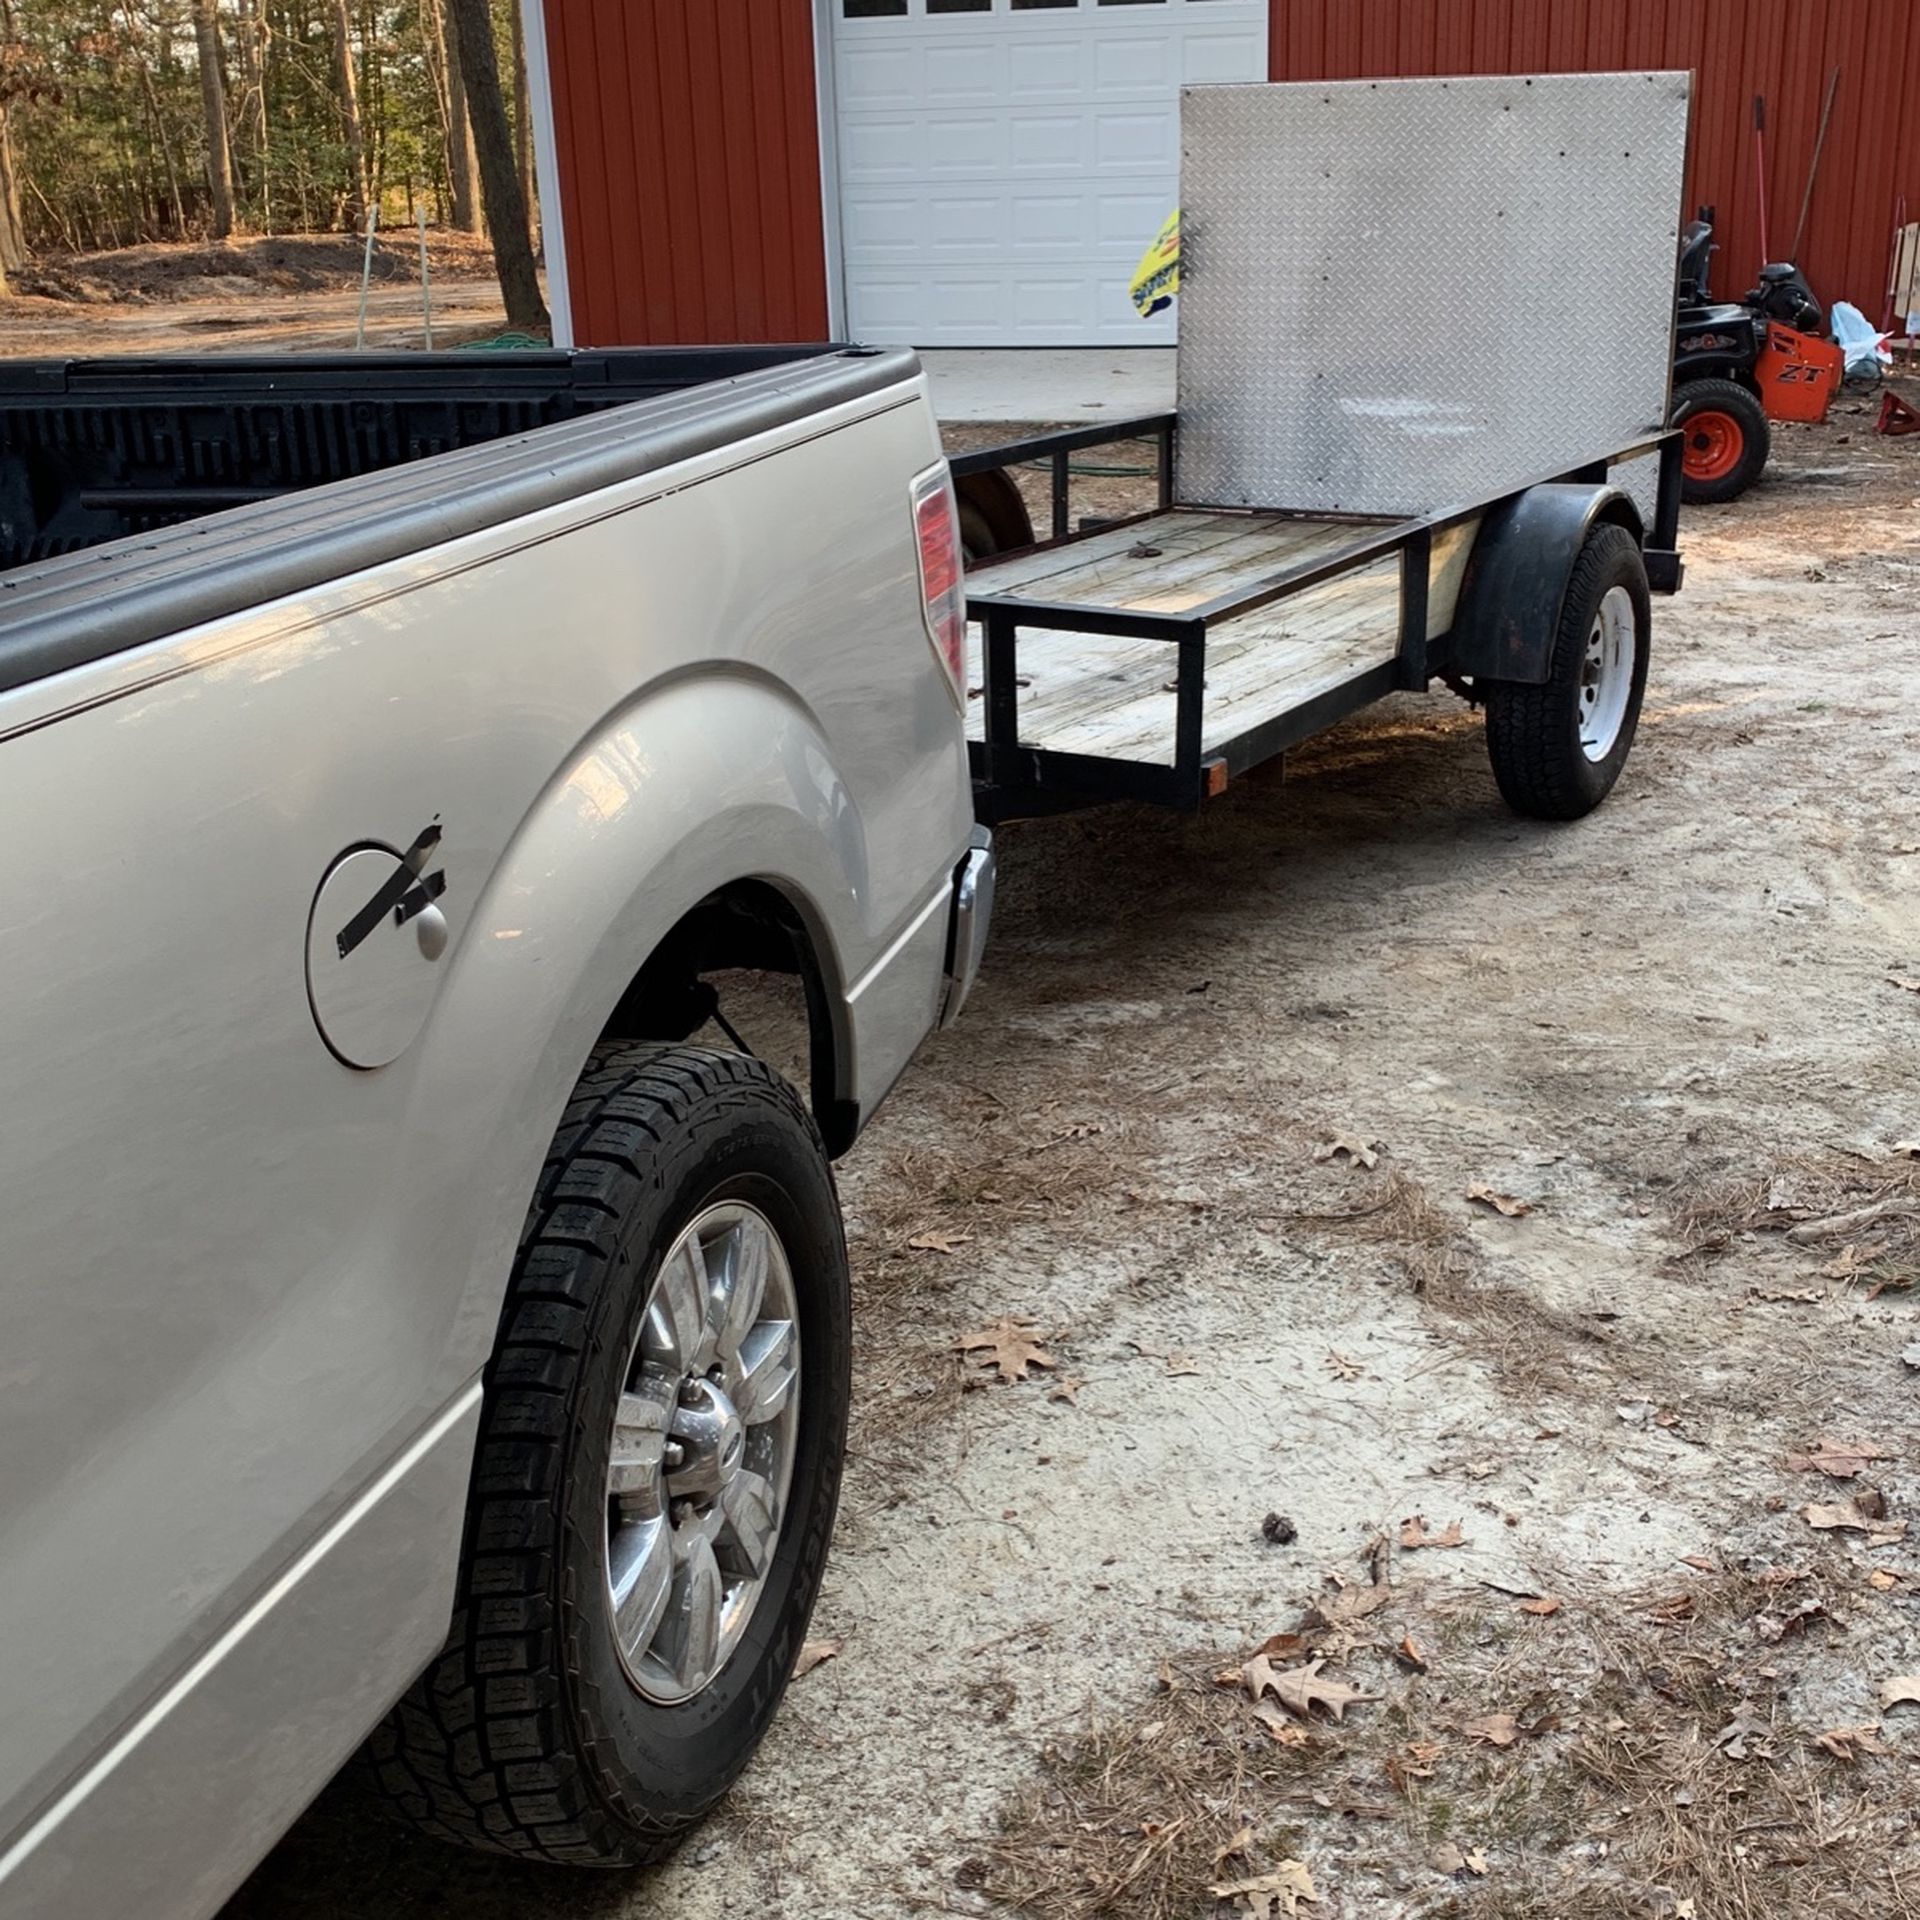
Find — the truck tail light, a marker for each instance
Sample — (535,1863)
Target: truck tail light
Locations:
(943,592)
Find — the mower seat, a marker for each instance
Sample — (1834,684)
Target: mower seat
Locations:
(1723,313)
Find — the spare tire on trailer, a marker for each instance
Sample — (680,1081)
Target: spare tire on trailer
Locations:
(1725,443)
(1557,748)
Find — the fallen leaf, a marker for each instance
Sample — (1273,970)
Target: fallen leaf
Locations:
(1779,1576)
(1700,1563)
(1353,1603)
(1544,1606)
(1408,1653)
(1414,1761)
(1774,1627)
(1476,1861)
(1849,1743)
(1683,1910)
(1282,1728)
(1240,1842)
(1301,1689)
(1500,1202)
(1883,1579)
(1733,1737)
(1283,1646)
(1496,1729)
(1358,1152)
(942,1242)
(1179,1364)
(1272,1896)
(816,1653)
(1904,1691)
(1009,1346)
(1901,981)
(1670,1611)
(1837,1459)
(1067,1389)
(1865,1513)
(1413,1533)
(1852,1261)
(1343,1365)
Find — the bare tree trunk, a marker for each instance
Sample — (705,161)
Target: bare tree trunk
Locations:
(254,34)
(13,233)
(350,115)
(213,105)
(462,167)
(506,205)
(523,118)
(165,145)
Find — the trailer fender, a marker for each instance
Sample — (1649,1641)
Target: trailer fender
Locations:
(1516,580)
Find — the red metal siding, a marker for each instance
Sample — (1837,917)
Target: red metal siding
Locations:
(1784,49)
(689,156)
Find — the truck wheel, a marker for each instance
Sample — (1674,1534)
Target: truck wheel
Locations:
(1726,443)
(1557,749)
(655,1477)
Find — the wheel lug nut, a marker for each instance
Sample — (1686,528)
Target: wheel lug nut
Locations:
(690,1392)
(677,1512)
(674,1456)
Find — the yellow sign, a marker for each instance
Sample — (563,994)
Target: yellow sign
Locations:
(1157,279)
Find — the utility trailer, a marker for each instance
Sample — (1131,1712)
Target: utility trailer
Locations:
(1350,506)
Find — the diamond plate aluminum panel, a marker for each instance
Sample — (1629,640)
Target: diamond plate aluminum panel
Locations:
(1398,295)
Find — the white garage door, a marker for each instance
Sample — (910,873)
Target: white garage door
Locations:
(1004,164)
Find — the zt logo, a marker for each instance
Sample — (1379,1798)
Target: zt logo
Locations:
(404,894)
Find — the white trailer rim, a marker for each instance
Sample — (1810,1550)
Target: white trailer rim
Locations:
(1606,673)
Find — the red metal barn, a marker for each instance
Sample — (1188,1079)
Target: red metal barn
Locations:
(987,172)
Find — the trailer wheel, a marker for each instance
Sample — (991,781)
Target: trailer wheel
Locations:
(993,515)
(1726,442)
(655,1478)
(1557,749)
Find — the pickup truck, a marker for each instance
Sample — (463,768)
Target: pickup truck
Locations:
(415,1338)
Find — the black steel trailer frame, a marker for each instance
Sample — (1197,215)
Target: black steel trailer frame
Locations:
(1011,780)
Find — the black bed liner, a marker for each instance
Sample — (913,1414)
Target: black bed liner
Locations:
(517,432)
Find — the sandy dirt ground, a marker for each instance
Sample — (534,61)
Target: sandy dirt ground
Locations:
(296,294)
(1679,1041)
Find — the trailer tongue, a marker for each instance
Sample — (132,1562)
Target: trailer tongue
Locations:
(1341,517)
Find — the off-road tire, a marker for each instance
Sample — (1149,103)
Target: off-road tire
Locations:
(1730,402)
(525,1736)
(1533,732)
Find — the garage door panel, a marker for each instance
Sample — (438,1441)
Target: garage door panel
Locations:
(1140,63)
(1001,172)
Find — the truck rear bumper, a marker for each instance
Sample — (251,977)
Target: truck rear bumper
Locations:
(972,911)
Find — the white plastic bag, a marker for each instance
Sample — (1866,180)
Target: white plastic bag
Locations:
(1862,343)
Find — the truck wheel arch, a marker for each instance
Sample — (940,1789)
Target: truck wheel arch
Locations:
(1516,580)
(750,925)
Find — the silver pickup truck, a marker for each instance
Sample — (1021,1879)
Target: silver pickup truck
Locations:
(412,1337)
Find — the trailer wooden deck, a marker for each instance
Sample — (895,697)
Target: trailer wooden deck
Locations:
(1115,697)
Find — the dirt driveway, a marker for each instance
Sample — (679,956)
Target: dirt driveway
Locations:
(1679,1042)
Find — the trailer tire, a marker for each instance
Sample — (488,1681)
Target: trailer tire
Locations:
(607,1444)
(1725,440)
(1558,748)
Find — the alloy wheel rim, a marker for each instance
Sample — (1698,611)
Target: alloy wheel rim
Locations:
(1606,673)
(701,1460)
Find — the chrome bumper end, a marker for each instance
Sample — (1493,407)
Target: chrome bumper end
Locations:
(972,910)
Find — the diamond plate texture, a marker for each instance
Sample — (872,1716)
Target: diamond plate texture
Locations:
(1398,295)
